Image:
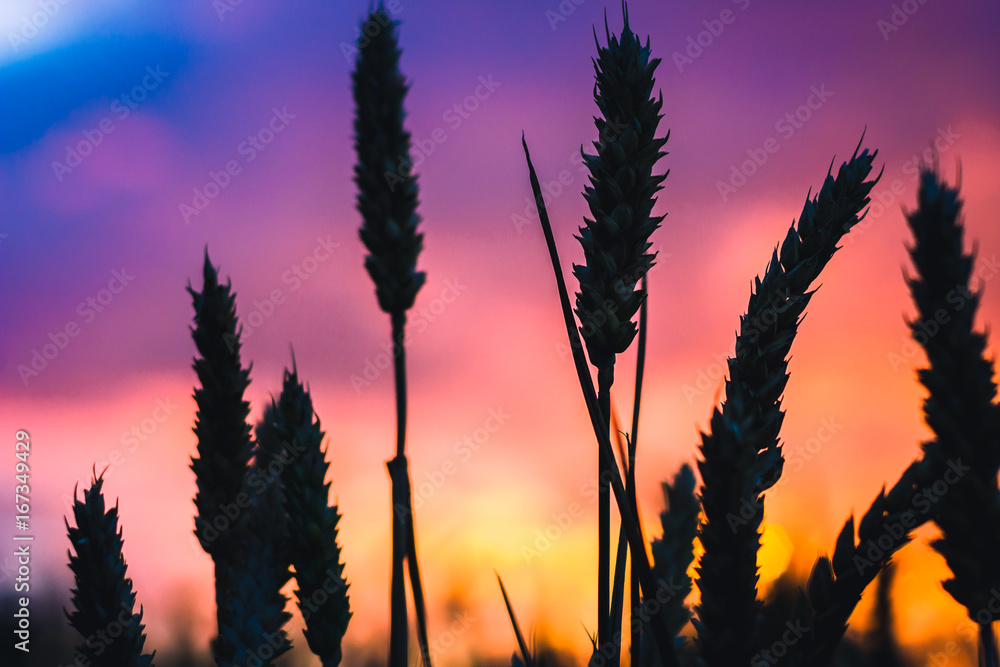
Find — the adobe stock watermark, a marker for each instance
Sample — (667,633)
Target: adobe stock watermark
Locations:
(796,456)
(223,7)
(608,308)
(30,25)
(422,318)
(87,311)
(131,440)
(794,631)
(249,149)
(696,44)
(455,116)
(786,127)
(371,29)
(883,197)
(896,533)
(952,649)
(261,656)
(104,638)
(640,617)
(547,536)
(899,17)
(562,521)
(968,631)
(294,277)
(461,453)
(445,640)
(312,601)
(709,377)
(552,190)
(562,12)
(927,328)
(122,107)
(257,482)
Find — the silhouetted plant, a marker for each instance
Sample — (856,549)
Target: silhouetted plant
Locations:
(615,242)
(673,551)
(224,446)
(292,430)
(237,526)
(883,647)
(960,407)
(387,201)
(103,600)
(741,454)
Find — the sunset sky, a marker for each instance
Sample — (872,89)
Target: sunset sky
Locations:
(119,121)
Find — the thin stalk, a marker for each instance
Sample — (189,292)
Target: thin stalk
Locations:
(398,626)
(522,645)
(987,646)
(628,460)
(640,367)
(668,651)
(399,356)
(621,559)
(417,588)
(605,376)
(398,623)
(222,588)
(402,502)
(618,602)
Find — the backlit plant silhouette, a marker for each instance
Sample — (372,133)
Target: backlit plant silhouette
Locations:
(262,506)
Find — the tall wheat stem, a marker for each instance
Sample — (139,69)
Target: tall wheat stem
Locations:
(605,377)
(404,535)
(640,367)
(987,646)
(387,201)
(398,628)
(399,353)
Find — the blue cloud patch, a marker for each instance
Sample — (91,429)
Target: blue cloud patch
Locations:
(42,91)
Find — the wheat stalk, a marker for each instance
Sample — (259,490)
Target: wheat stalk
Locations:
(292,426)
(961,412)
(254,630)
(629,512)
(883,645)
(103,599)
(224,446)
(673,552)
(387,201)
(239,527)
(741,453)
(960,407)
(616,240)
(387,188)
